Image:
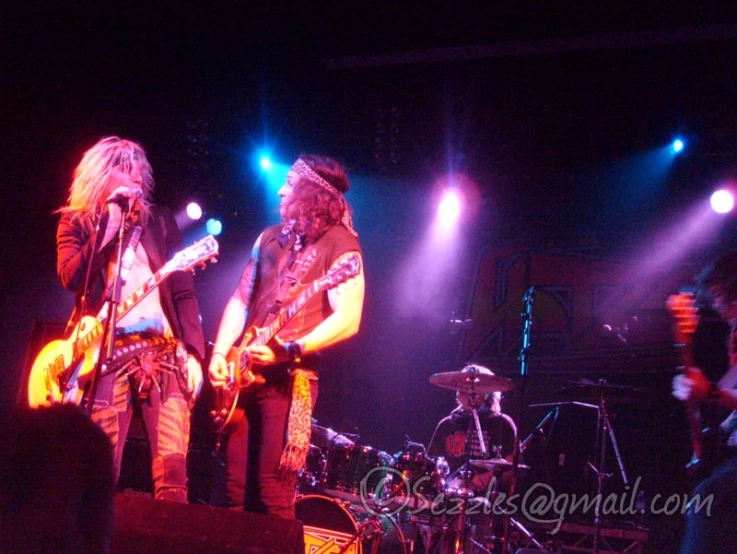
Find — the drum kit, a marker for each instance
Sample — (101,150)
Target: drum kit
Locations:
(354,498)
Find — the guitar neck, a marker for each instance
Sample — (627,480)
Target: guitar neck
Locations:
(84,342)
(284,316)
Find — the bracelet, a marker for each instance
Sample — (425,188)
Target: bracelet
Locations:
(294,350)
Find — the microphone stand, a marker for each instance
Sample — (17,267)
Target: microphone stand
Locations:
(527,301)
(107,348)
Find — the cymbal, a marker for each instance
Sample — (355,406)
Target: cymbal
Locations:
(601,387)
(495,464)
(466,382)
(325,437)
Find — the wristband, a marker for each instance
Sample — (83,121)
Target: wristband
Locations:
(294,350)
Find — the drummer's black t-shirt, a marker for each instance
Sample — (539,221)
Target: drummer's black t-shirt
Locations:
(456,438)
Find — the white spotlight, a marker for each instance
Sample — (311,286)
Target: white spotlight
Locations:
(194,211)
(722,201)
(449,208)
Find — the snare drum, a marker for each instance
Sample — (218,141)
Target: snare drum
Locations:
(331,526)
(357,473)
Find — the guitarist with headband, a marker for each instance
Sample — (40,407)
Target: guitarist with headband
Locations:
(714,530)
(285,320)
(158,342)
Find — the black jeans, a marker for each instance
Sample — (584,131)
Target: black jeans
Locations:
(714,531)
(253,451)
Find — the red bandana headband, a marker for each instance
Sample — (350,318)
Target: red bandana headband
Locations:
(303,169)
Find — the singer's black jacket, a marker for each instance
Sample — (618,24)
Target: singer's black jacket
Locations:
(161,238)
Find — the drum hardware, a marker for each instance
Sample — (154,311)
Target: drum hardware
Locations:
(471,381)
(500,465)
(604,430)
(334,525)
(325,437)
(464,494)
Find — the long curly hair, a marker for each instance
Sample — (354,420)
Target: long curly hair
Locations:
(720,274)
(87,191)
(313,209)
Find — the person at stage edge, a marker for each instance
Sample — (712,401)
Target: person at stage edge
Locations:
(714,530)
(159,343)
(269,445)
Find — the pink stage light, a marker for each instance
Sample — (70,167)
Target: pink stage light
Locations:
(449,208)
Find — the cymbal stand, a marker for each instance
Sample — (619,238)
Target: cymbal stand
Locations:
(371,529)
(464,494)
(604,429)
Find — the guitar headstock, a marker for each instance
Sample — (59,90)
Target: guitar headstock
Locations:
(196,255)
(682,307)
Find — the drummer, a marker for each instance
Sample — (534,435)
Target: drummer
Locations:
(456,437)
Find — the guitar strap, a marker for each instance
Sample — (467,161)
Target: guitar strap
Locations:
(288,276)
(133,236)
(299,420)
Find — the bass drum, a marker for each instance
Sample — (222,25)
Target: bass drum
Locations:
(332,527)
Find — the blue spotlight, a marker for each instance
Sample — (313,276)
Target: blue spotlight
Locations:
(214,227)
(265,163)
(677,146)
(722,201)
(194,211)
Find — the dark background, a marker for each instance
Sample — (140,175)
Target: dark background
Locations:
(538,102)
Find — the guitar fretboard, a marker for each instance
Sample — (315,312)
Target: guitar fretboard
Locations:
(285,315)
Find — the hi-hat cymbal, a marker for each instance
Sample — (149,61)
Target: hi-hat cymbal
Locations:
(325,437)
(589,388)
(495,464)
(471,381)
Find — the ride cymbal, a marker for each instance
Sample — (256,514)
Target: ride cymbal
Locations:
(471,381)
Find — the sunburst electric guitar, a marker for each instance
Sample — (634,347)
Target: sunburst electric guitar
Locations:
(683,308)
(240,366)
(55,374)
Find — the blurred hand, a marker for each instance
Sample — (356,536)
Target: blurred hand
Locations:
(269,354)
(692,385)
(194,376)
(218,370)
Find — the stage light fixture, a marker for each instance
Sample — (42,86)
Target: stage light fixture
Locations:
(722,201)
(214,227)
(194,211)
(449,208)
(677,146)
(265,163)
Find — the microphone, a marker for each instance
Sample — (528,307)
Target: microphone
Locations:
(122,199)
(540,429)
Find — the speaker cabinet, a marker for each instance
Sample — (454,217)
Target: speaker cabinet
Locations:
(147,526)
